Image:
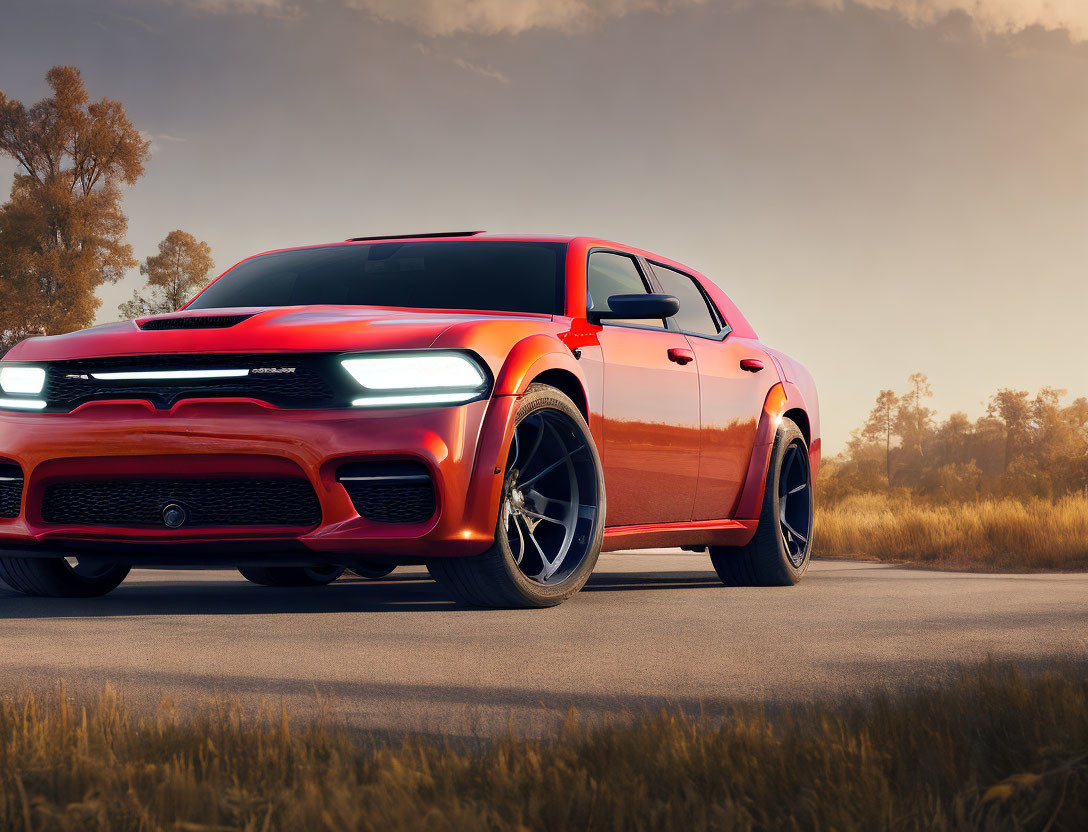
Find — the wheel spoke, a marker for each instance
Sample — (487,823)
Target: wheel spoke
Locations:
(801,487)
(550,468)
(538,516)
(794,531)
(549,566)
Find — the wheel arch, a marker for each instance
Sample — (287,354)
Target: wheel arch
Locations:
(546,360)
(566,382)
(784,401)
(800,418)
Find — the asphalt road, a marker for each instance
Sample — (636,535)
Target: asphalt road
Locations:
(650,628)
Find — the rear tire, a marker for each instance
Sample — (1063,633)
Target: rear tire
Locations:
(551,513)
(57,578)
(291,575)
(779,553)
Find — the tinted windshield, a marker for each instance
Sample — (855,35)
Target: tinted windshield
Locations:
(491,275)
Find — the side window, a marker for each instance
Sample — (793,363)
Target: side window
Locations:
(614,274)
(694,315)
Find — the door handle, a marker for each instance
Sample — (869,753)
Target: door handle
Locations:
(680,355)
(751,365)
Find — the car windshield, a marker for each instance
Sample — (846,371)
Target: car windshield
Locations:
(491,275)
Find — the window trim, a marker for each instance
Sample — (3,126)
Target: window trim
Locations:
(724,329)
(648,283)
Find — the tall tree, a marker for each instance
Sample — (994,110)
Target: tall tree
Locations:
(1013,409)
(913,419)
(62,231)
(173,275)
(881,425)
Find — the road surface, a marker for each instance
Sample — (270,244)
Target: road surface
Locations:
(651,628)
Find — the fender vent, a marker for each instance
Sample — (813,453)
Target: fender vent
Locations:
(11,489)
(193,322)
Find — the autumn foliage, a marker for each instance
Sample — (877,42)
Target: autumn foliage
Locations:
(1024,446)
(174,275)
(62,232)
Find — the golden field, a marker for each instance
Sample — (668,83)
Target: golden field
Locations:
(994,534)
(991,749)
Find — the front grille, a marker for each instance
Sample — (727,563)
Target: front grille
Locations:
(390,491)
(11,489)
(206,502)
(291,381)
(194,322)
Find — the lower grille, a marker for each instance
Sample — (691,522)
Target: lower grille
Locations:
(11,489)
(390,492)
(209,502)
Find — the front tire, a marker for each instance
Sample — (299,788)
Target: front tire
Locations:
(779,553)
(291,575)
(551,513)
(60,577)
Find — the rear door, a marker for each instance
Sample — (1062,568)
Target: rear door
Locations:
(650,404)
(731,398)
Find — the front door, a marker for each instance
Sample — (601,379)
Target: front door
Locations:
(650,406)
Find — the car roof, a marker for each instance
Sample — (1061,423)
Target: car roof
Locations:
(472,236)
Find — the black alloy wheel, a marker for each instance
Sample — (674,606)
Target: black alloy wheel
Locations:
(779,552)
(551,515)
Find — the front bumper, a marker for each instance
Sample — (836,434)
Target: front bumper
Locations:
(461,446)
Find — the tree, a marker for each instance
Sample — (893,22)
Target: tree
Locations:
(881,426)
(62,231)
(914,425)
(1014,410)
(173,275)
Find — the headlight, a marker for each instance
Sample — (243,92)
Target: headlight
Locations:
(417,379)
(22,381)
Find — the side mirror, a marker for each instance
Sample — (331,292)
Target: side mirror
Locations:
(638,307)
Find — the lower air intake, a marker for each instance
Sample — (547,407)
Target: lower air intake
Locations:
(391,491)
(208,502)
(11,489)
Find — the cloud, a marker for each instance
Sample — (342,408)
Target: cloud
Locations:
(486,71)
(283,9)
(990,17)
(494,17)
(156,139)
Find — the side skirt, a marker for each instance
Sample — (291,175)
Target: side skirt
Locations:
(668,535)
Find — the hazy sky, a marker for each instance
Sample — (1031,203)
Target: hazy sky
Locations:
(883,186)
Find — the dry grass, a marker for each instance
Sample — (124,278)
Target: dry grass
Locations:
(989,535)
(990,750)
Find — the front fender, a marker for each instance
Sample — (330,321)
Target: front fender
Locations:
(527,359)
(532,356)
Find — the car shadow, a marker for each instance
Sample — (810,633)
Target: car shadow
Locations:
(408,593)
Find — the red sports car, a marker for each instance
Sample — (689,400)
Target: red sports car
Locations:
(500,408)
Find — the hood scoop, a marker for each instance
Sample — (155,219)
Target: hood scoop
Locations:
(193,322)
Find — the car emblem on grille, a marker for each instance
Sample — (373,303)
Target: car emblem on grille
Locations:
(273,370)
(174,515)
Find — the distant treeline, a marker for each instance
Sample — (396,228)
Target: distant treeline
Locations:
(1024,446)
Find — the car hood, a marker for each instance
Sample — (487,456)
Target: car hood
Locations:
(274,330)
